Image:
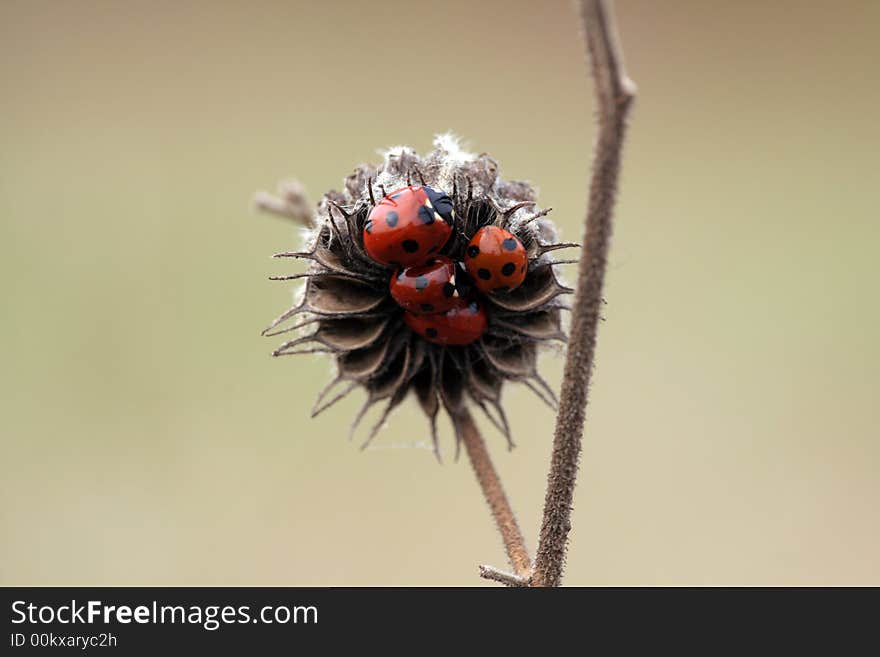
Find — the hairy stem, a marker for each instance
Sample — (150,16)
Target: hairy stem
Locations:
(291,202)
(508,579)
(614,93)
(488,479)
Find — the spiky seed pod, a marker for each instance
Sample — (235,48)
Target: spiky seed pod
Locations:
(346,309)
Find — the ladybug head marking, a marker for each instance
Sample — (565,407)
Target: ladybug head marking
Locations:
(441,202)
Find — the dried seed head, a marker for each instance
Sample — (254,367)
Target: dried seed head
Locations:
(346,308)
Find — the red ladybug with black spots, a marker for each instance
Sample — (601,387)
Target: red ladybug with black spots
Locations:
(408,226)
(429,288)
(460,325)
(496,260)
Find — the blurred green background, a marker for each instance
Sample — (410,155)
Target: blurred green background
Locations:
(148,437)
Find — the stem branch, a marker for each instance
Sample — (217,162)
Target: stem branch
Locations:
(508,579)
(291,202)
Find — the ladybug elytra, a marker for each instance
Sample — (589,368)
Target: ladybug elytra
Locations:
(496,260)
(460,325)
(429,288)
(408,226)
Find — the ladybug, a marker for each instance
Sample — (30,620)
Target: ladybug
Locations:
(408,226)
(496,260)
(429,288)
(461,325)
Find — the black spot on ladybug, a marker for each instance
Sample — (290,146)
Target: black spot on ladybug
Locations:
(508,268)
(410,246)
(448,290)
(509,244)
(426,214)
(391,218)
(473,307)
(368,226)
(484,273)
(426,307)
(473,251)
(501,288)
(431,332)
(421,283)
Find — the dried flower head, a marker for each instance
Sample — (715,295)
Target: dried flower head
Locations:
(346,309)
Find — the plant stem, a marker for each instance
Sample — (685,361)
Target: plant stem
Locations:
(508,579)
(614,93)
(291,202)
(487,477)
